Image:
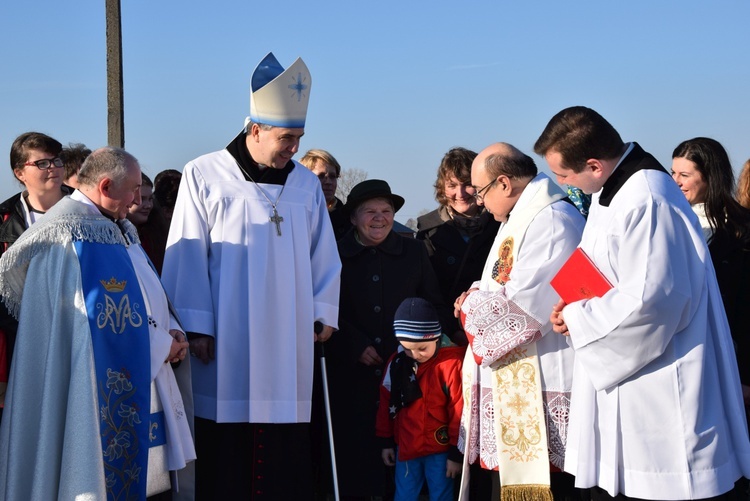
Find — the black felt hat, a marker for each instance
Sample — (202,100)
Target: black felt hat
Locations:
(369,189)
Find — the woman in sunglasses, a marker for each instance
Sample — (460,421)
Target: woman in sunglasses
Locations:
(34,158)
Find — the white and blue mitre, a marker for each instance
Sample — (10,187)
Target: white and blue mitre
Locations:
(279,97)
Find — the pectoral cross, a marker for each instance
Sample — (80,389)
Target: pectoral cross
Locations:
(277,220)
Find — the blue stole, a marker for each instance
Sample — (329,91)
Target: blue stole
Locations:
(120,337)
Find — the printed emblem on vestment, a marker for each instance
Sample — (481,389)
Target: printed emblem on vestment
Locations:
(504,263)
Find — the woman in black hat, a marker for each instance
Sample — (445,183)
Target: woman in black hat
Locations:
(380,268)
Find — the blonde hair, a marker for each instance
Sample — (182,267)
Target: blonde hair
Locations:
(312,157)
(743,185)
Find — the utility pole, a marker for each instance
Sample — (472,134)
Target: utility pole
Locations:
(115,115)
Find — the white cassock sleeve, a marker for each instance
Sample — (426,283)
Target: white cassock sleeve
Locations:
(186,269)
(658,281)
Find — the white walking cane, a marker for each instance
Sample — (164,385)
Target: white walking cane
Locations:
(326,399)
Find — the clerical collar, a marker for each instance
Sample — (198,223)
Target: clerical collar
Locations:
(250,168)
(633,160)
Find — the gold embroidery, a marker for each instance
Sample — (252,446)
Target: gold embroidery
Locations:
(519,426)
(518,403)
(522,437)
(516,374)
(112,285)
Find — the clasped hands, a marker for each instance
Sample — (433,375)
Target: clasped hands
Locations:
(178,350)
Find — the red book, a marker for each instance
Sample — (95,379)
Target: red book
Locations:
(579,278)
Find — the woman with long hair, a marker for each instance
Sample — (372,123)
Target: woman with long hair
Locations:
(702,170)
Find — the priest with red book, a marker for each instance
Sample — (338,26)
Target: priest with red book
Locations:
(656,410)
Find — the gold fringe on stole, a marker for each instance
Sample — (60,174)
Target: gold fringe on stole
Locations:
(526,492)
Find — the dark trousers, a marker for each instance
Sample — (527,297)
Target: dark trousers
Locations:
(252,461)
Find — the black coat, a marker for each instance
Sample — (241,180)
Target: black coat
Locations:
(457,263)
(374,282)
(731,261)
(12,225)
(339,219)
(13,221)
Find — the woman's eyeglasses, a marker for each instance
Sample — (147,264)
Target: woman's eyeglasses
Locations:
(46,163)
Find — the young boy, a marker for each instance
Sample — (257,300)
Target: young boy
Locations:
(420,405)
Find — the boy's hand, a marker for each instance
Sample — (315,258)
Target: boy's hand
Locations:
(389,457)
(452,469)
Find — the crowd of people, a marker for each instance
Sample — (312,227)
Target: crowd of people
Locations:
(238,331)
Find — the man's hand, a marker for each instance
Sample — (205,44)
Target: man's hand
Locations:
(203,347)
(556,317)
(452,469)
(389,457)
(460,300)
(325,334)
(179,348)
(370,357)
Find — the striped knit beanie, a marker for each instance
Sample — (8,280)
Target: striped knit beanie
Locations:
(416,320)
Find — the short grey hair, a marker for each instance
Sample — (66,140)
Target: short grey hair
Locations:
(108,162)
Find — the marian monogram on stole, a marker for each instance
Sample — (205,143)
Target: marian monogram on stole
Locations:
(118,315)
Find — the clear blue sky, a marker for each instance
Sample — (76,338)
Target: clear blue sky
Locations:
(395,84)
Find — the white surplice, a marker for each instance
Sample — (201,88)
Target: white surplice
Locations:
(257,293)
(656,409)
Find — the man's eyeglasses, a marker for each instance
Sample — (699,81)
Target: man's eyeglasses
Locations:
(327,176)
(478,195)
(46,163)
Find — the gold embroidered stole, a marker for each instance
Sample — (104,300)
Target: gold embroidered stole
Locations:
(520,429)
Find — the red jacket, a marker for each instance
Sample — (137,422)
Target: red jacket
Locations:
(429,425)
